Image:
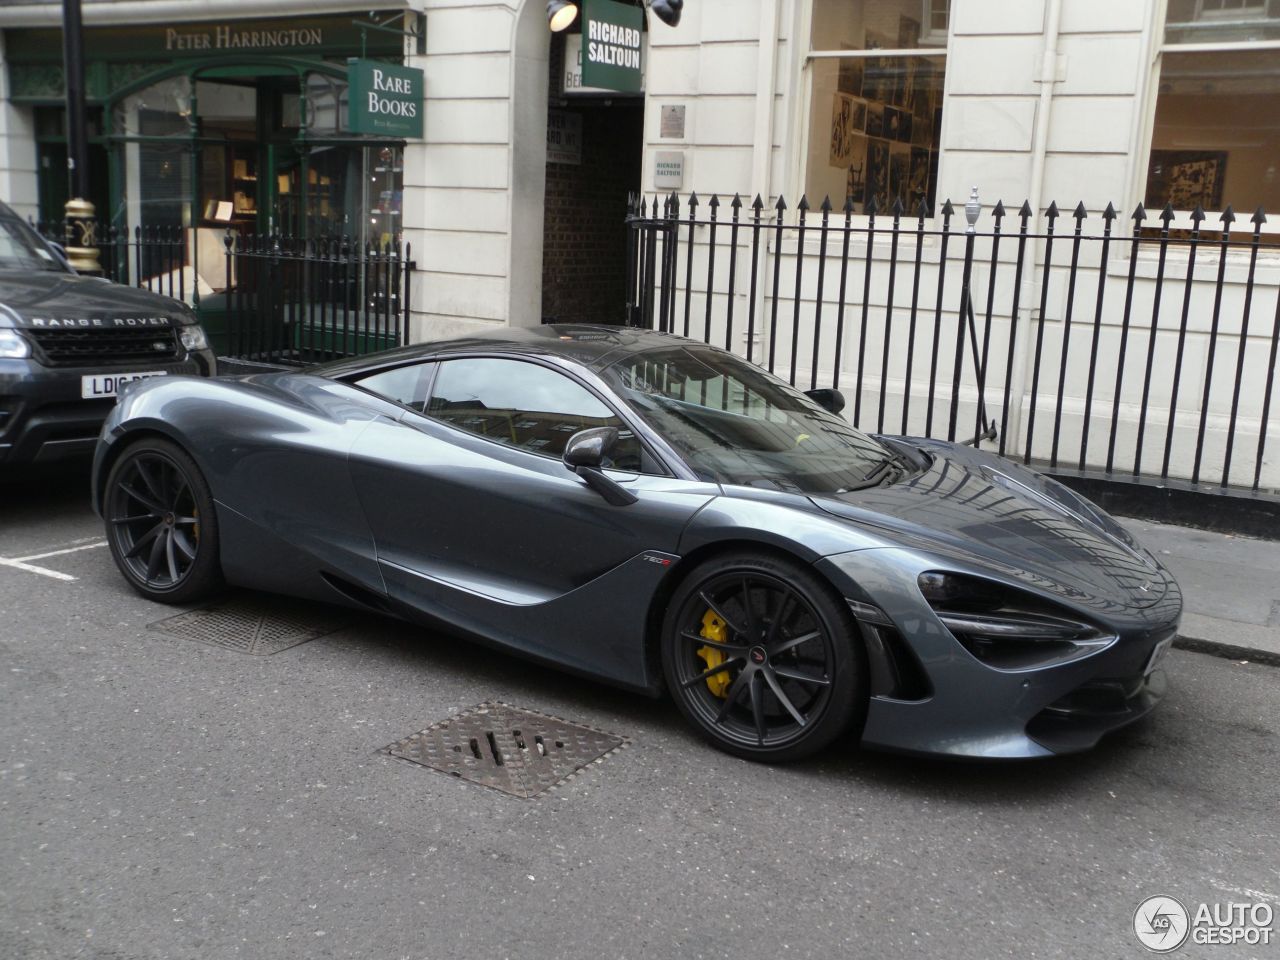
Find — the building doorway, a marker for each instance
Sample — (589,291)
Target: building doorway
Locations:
(595,146)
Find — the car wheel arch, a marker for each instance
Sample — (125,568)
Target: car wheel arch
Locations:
(122,443)
(684,566)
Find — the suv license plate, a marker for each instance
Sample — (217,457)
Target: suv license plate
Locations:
(100,385)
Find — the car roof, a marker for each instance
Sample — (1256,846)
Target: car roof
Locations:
(591,345)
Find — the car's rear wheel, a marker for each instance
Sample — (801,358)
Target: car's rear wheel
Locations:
(763,658)
(161,526)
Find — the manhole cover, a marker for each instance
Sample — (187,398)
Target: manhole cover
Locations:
(515,751)
(255,626)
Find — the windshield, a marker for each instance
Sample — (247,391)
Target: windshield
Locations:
(734,423)
(21,249)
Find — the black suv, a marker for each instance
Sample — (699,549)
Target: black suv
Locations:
(67,343)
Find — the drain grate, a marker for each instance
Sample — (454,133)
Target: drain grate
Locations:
(517,752)
(255,626)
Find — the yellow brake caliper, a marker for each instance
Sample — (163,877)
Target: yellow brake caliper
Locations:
(714,629)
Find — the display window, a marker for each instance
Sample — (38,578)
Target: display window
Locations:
(875,103)
(1216,134)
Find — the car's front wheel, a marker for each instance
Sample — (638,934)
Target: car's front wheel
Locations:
(161,526)
(763,658)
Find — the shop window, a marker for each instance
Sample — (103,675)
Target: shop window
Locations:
(326,105)
(161,110)
(1216,136)
(875,117)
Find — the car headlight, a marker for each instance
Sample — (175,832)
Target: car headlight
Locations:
(1006,628)
(13,345)
(193,338)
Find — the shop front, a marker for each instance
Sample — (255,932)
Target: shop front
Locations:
(210,132)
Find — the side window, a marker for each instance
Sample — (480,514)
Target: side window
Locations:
(405,385)
(524,405)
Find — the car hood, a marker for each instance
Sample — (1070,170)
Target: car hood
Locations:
(53,299)
(986,510)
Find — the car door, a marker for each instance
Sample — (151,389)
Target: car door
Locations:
(476,518)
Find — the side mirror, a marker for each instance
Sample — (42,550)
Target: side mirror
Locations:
(584,454)
(830,400)
(588,448)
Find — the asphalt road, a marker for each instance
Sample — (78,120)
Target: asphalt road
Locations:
(163,798)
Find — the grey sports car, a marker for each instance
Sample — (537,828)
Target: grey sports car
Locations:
(658,514)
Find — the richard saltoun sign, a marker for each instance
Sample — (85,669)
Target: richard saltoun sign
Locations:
(385,99)
(611,39)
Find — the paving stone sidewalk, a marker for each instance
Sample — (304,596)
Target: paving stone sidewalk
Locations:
(1230,585)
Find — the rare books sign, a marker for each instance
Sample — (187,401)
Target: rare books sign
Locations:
(385,99)
(611,38)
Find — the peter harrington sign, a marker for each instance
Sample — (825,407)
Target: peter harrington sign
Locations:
(385,99)
(611,35)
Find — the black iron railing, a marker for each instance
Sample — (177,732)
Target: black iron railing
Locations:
(271,299)
(152,257)
(1074,341)
(303,301)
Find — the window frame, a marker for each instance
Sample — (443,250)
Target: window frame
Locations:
(803,78)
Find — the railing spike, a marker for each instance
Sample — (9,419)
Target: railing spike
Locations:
(1080,212)
(803,205)
(998,210)
(1109,214)
(826,204)
(947,209)
(848,206)
(1259,216)
(737,202)
(758,205)
(1139,214)
(1052,212)
(870,207)
(1228,216)
(693,201)
(1026,210)
(781,204)
(714,202)
(896,207)
(1167,213)
(1197,215)
(922,209)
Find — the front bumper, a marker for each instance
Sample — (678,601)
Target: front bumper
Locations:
(974,710)
(43,418)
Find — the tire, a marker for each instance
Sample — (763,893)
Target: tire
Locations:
(776,680)
(161,525)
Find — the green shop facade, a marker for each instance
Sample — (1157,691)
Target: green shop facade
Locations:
(197,129)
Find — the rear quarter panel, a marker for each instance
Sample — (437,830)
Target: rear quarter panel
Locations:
(273,449)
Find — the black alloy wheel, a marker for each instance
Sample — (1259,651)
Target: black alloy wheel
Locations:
(763,658)
(160,523)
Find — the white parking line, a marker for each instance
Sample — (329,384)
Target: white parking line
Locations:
(30,568)
(58,553)
(21,563)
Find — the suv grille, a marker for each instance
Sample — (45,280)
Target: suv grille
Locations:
(70,348)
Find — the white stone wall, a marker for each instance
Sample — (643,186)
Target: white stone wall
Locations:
(17,152)
(469,234)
